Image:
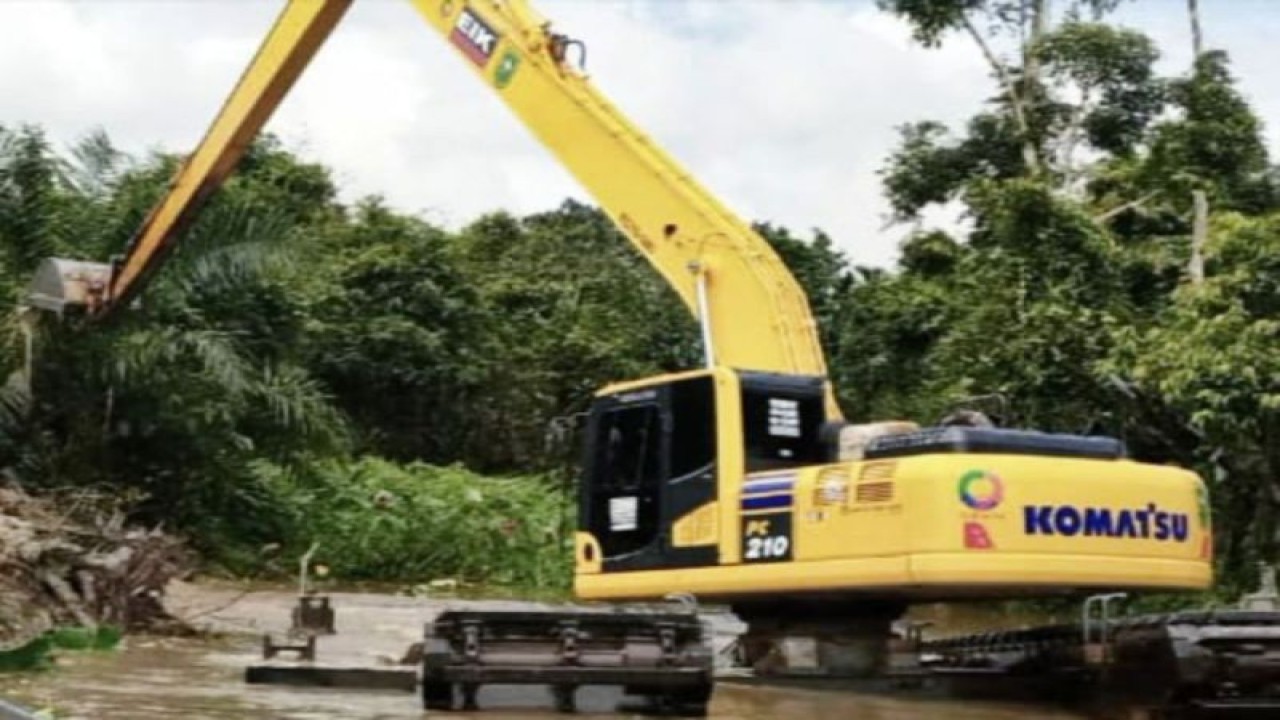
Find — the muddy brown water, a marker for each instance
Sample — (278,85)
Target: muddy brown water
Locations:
(152,678)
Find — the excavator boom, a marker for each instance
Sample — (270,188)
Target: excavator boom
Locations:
(720,268)
(685,232)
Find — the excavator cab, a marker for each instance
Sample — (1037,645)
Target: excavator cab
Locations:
(672,463)
(655,456)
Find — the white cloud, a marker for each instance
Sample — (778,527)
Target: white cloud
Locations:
(785,110)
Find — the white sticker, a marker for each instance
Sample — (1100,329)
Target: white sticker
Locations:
(784,417)
(622,513)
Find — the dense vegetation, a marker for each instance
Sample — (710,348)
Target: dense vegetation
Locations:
(311,369)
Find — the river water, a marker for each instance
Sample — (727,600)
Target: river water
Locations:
(154,678)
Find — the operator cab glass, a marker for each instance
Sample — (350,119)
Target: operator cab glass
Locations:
(782,419)
(651,459)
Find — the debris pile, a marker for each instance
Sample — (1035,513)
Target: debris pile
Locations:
(68,559)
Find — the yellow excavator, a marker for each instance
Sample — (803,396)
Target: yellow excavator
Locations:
(738,482)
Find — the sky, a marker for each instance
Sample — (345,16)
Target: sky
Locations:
(784,109)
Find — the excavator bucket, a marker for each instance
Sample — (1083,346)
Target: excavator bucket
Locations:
(68,285)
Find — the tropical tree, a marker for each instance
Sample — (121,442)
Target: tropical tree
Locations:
(176,398)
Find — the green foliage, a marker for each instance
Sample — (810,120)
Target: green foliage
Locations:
(1034,317)
(571,307)
(393,330)
(890,326)
(1080,94)
(930,19)
(32,655)
(376,520)
(290,333)
(1023,310)
(1211,361)
(177,399)
(102,637)
(1111,70)
(36,654)
(931,167)
(1216,144)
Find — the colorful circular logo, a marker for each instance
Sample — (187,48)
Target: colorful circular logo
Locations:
(981,490)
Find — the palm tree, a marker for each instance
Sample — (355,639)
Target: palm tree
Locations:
(175,398)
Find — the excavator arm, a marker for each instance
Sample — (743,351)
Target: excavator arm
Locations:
(753,313)
(297,34)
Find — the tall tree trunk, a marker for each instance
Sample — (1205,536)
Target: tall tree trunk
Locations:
(1031,78)
(1197,38)
(1039,26)
(1017,97)
(1199,201)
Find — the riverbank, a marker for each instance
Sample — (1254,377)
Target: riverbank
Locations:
(73,574)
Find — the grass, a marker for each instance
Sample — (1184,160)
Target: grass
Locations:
(376,520)
(37,653)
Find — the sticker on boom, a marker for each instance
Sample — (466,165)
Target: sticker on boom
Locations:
(474,37)
(506,70)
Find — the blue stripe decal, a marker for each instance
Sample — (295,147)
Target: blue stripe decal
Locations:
(767,502)
(757,487)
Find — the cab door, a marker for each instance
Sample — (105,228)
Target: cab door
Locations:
(650,460)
